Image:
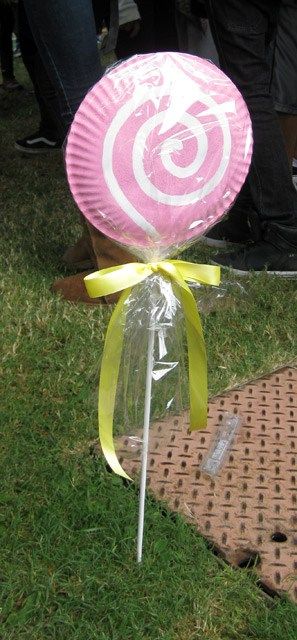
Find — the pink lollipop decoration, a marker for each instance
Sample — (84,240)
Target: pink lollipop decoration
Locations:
(158,150)
(156,154)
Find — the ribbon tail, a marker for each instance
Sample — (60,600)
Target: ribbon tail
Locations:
(180,271)
(109,374)
(197,359)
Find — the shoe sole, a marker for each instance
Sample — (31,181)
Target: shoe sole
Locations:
(219,244)
(34,152)
(239,272)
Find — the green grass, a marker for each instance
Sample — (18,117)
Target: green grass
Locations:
(67,526)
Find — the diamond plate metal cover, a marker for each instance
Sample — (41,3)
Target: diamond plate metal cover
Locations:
(249,510)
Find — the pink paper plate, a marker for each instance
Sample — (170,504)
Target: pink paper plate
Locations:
(158,150)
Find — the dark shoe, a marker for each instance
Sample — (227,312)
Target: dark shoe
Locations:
(80,257)
(38,143)
(276,254)
(234,230)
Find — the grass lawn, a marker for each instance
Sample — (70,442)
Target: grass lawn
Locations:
(67,526)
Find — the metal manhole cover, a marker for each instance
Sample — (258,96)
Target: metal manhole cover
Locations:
(250,508)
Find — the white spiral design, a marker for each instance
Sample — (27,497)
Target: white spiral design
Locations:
(191,127)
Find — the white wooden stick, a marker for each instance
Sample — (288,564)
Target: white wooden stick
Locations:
(146,426)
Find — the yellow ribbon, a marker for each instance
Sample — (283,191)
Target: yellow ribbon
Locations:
(123,278)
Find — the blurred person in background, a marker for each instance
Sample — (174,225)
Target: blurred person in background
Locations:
(194,34)
(8,26)
(58,40)
(195,37)
(264,216)
(284,84)
(58,43)
(154,30)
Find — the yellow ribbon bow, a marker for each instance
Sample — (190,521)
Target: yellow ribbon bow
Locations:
(123,278)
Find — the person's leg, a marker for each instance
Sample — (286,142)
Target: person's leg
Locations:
(144,41)
(241,31)
(65,35)
(49,126)
(157,30)
(6,52)
(288,123)
(284,85)
(193,32)
(165,26)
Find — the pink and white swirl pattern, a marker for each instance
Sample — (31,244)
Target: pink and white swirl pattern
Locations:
(158,150)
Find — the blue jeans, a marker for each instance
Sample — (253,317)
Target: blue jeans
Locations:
(244,31)
(68,62)
(50,120)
